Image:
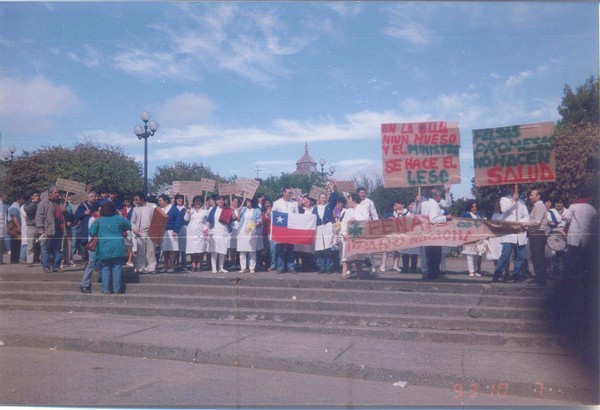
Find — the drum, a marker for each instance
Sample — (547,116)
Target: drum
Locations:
(557,240)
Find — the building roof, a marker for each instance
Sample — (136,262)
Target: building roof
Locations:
(306,164)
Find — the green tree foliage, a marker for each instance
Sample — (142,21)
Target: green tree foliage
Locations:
(272,186)
(181,171)
(106,167)
(580,107)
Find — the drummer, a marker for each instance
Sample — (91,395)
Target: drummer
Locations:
(554,221)
(558,260)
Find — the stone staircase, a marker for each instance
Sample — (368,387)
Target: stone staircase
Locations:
(509,325)
(472,313)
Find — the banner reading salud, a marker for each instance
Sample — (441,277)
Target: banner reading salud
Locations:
(519,154)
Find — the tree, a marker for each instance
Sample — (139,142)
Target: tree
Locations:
(106,167)
(580,107)
(181,171)
(272,186)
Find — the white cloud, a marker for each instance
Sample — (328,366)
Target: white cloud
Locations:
(412,32)
(249,43)
(345,9)
(36,97)
(518,79)
(90,57)
(186,108)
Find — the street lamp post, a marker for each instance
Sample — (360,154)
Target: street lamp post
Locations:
(10,154)
(323,173)
(146,132)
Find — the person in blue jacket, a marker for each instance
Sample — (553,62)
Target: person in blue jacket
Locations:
(324,236)
(170,242)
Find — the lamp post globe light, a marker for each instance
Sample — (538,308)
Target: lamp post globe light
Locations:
(324,174)
(10,154)
(145,132)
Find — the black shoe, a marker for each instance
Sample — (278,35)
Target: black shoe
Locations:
(518,278)
(83,289)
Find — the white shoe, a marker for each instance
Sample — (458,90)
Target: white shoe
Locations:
(251,271)
(223,271)
(214,271)
(382,269)
(477,274)
(241,271)
(471,274)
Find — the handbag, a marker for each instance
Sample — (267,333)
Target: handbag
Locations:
(12,229)
(93,242)
(225,216)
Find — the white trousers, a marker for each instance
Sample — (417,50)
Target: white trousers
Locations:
(252,260)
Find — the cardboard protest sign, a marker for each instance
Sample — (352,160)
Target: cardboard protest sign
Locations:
(345,186)
(315,191)
(228,189)
(77,190)
(518,154)
(394,234)
(188,189)
(208,185)
(247,187)
(420,154)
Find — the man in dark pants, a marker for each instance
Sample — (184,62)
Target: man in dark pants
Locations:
(431,208)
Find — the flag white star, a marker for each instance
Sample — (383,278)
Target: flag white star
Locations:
(279,219)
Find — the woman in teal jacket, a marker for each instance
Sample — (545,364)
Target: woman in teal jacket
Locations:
(111,245)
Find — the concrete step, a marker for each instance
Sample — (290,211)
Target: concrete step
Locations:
(399,306)
(244,289)
(128,307)
(302,281)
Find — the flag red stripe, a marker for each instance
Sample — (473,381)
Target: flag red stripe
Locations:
(292,236)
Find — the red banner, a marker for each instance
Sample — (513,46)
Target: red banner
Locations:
(394,234)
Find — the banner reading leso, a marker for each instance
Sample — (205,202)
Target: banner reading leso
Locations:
(420,154)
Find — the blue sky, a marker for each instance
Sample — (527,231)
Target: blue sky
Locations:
(236,85)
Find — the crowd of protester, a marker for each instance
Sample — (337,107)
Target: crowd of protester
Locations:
(232,234)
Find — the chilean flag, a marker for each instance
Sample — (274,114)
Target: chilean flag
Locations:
(296,229)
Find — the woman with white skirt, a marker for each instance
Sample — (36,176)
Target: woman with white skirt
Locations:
(250,227)
(219,221)
(197,240)
(471,250)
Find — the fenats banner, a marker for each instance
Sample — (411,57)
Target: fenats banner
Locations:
(518,154)
(393,234)
(420,154)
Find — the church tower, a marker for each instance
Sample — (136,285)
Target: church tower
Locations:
(306,165)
